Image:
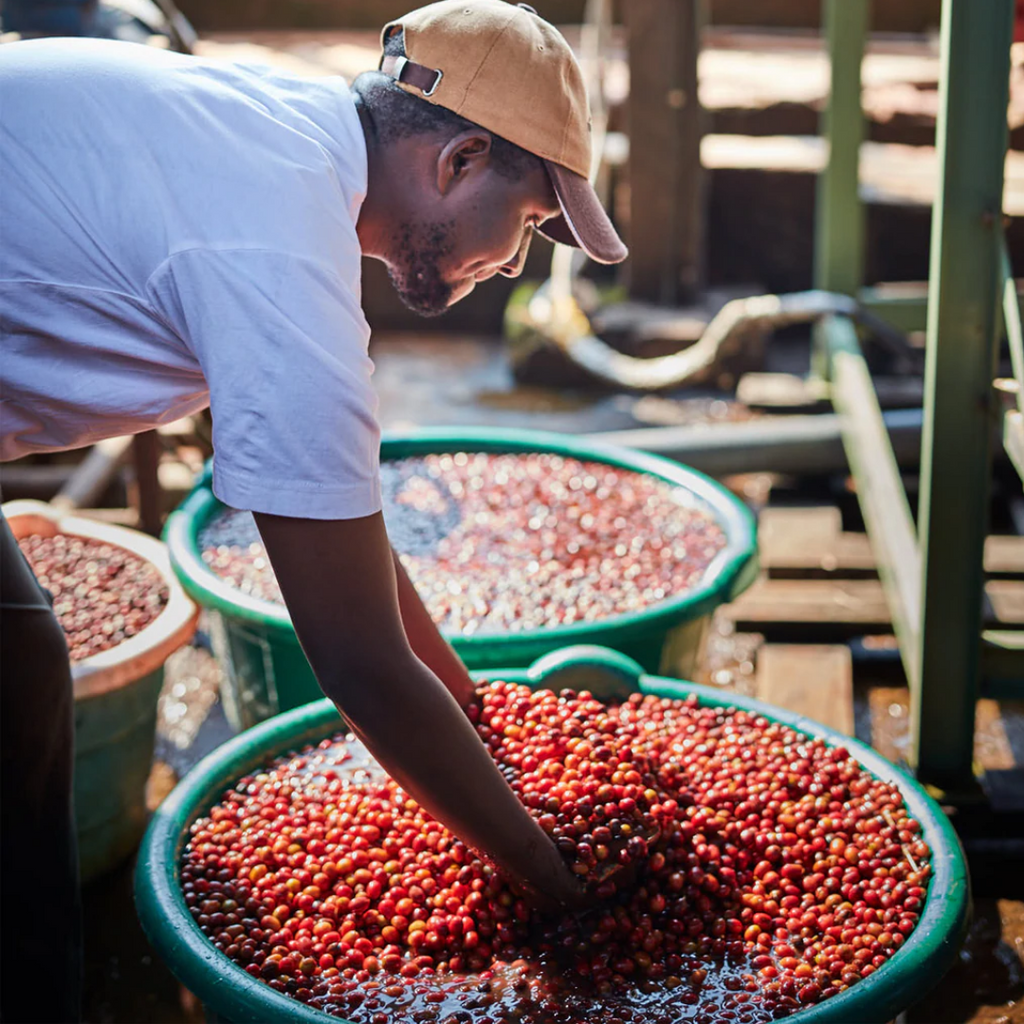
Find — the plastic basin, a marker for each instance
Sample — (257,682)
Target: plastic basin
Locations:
(266,671)
(230,994)
(115,698)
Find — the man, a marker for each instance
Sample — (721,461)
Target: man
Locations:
(177,233)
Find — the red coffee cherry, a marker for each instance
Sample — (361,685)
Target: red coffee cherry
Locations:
(781,873)
(504,543)
(102,594)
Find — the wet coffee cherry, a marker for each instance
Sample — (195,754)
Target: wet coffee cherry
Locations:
(102,594)
(763,871)
(505,543)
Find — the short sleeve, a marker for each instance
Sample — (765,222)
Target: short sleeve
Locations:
(282,343)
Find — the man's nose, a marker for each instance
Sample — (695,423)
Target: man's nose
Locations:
(514,267)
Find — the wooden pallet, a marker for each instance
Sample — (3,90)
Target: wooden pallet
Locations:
(819,589)
(821,584)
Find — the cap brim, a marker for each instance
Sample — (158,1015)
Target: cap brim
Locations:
(583,223)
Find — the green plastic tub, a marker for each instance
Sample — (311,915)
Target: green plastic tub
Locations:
(266,671)
(116,695)
(230,994)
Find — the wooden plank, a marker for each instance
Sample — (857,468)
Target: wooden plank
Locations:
(805,539)
(1004,555)
(849,603)
(992,748)
(666,236)
(1007,601)
(811,540)
(889,708)
(845,607)
(782,528)
(815,680)
(890,174)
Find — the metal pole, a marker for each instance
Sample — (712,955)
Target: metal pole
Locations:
(782,444)
(963,320)
(839,231)
(880,490)
(839,219)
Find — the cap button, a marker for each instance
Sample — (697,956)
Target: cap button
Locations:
(527,7)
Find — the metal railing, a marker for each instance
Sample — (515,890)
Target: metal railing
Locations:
(932,570)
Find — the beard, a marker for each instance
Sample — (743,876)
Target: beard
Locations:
(415,271)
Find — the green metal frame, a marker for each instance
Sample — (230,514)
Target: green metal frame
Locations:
(839,219)
(932,572)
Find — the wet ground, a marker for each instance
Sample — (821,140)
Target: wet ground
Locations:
(986,985)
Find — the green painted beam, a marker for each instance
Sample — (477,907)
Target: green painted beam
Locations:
(838,214)
(964,292)
(907,312)
(839,229)
(905,307)
(880,491)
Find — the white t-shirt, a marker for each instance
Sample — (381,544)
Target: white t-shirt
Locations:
(177,232)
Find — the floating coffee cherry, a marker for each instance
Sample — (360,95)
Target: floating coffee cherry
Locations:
(102,594)
(778,873)
(504,543)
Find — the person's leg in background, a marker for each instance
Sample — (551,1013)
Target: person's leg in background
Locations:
(40,902)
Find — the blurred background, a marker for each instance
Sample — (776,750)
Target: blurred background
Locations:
(711,161)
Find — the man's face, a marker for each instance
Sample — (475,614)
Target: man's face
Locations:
(480,226)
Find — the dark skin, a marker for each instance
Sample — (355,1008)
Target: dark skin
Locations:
(445,196)
(372,644)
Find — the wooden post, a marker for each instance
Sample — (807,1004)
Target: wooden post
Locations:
(146,453)
(666,230)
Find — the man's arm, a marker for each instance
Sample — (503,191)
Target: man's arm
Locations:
(426,641)
(338,580)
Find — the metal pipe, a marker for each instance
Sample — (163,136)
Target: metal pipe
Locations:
(788,444)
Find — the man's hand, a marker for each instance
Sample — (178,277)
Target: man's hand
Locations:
(338,581)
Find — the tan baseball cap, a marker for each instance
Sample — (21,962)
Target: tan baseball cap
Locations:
(503,67)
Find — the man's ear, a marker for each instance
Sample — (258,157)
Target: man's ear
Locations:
(466,154)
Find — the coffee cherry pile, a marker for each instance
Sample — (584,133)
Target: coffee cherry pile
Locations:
(232,547)
(778,873)
(581,778)
(498,543)
(102,594)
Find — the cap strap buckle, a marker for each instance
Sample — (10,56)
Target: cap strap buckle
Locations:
(404,70)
